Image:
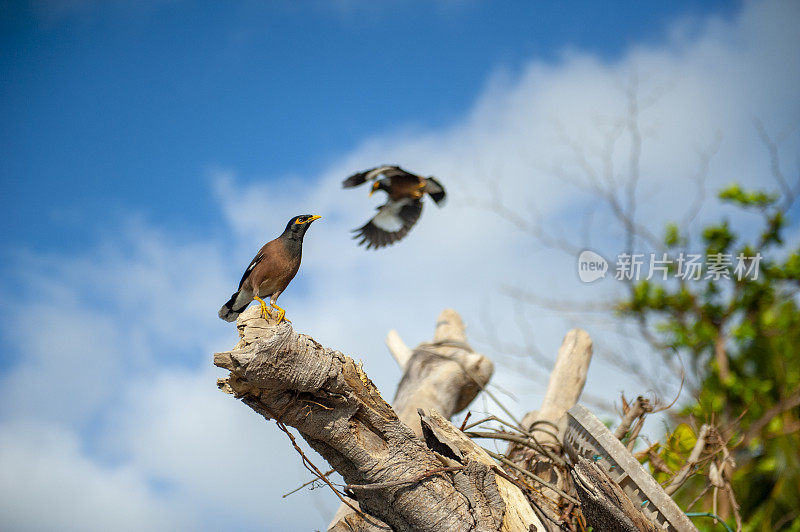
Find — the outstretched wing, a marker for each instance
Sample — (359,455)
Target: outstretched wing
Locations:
(436,190)
(393,221)
(361,178)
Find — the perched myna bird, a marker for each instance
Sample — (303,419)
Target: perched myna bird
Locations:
(270,272)
(398,215)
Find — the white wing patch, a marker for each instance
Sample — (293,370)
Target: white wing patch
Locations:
(388,217)
(392,223)
(375,172)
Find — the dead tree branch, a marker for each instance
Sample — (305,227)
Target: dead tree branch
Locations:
(545,426)
(337,410)
(635,412)
(694,457)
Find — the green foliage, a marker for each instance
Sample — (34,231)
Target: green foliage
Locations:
(752,198)
(742,337)
(673,236)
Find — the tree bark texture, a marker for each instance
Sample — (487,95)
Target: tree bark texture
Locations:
(444,375)
(605,506)
(334,406)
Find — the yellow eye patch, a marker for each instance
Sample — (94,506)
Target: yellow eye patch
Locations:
(307,220)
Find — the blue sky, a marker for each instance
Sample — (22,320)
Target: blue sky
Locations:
(111,107)
(149,148)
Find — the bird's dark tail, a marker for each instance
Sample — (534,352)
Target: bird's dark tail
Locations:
(228,312)
(436,190)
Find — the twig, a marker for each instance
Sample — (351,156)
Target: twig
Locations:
(307,483)
(699,496)
(534,504)
(530,475)
(461,345)
(637,428)
(781,406)
(525,441)
(513,427)
(774,160)
(637,410)
(735,507)
(311,467)
(680,389)
(694,457)
(566,515)
(466,418)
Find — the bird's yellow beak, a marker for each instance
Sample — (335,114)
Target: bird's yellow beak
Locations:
(307,221)
(375,186)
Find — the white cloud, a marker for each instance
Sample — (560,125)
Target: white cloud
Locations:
(180,429)
(114,393)
(48,483)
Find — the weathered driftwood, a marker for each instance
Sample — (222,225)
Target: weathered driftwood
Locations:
(547,424)
(444,375)
(327,397)
(439,434)
(563,391)
(605,506)
(634,413)
(566,380)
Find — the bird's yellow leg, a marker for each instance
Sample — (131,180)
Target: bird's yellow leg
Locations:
(281,312)
(264,311)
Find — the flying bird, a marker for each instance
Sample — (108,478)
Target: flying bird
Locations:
(270,272)
(398,215)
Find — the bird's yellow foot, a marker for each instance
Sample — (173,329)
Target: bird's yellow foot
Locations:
(281,313)
(264,310)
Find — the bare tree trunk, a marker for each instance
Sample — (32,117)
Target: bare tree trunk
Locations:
(721,356)
(566,381)
(322,393)
(444,375)
(547,424)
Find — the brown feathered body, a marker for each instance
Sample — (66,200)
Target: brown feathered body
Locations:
(271,270)
(405,186)
(274,271)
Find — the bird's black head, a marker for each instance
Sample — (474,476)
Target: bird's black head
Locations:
(380,184)
(298,226)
